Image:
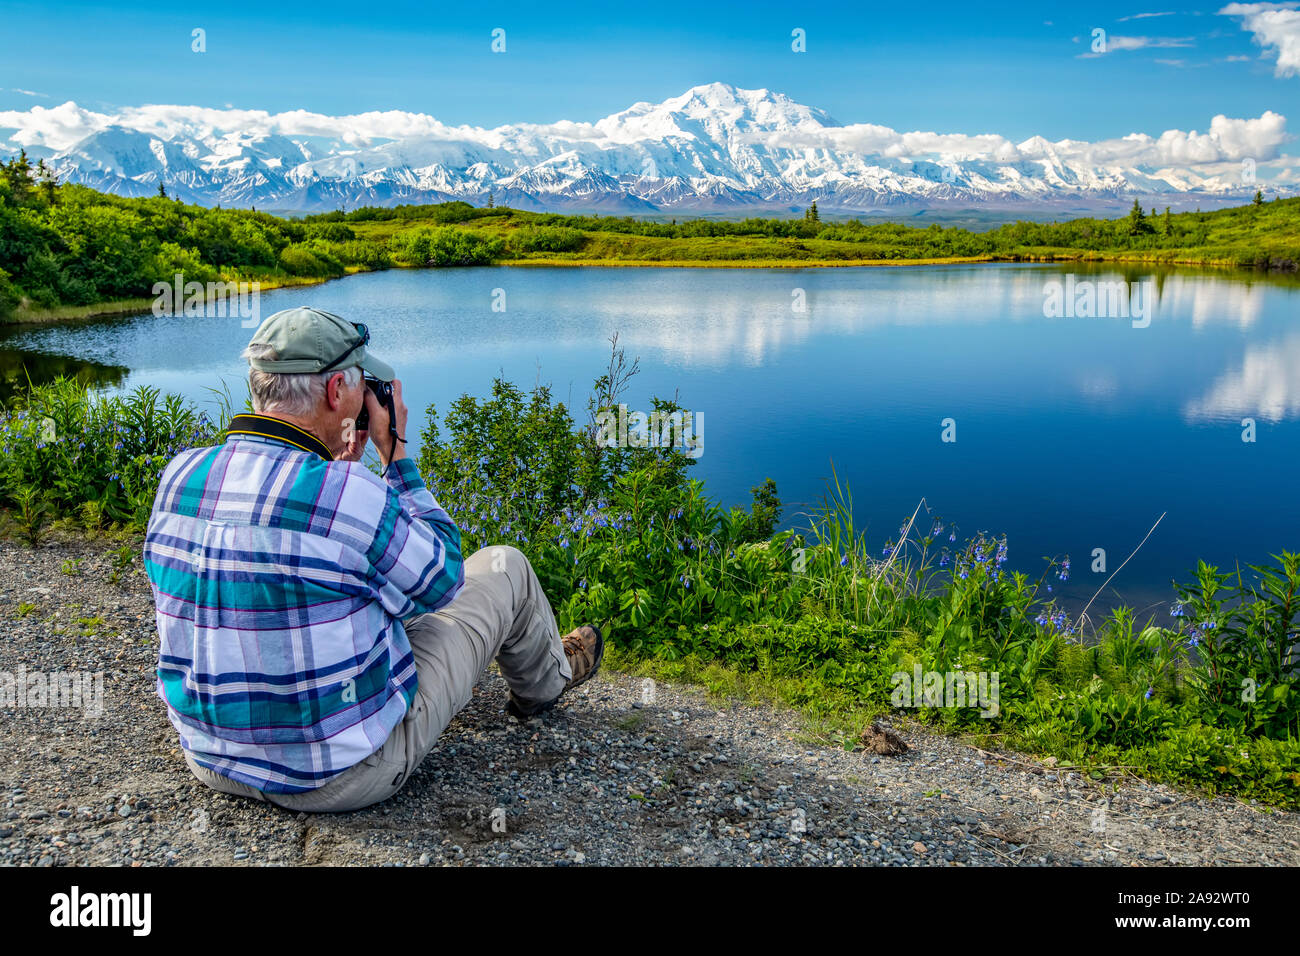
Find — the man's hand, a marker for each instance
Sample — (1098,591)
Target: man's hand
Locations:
(379,424)
(357,446)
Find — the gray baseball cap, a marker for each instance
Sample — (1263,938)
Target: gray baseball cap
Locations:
(309,340)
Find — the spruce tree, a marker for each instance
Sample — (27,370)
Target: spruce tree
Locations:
(46,182)
(1137,219)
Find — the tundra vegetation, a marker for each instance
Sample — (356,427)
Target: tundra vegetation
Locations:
(68,251)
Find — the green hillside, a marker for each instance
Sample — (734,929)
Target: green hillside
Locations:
(68,251)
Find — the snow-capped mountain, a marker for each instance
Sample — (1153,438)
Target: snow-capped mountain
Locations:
(714,148)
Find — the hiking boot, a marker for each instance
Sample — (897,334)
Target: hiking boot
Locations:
(584,647)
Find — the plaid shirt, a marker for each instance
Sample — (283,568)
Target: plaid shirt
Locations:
(280,580)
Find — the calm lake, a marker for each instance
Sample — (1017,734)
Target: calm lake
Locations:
(1072,433)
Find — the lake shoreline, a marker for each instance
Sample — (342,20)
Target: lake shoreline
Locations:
(129,306)
(98,310)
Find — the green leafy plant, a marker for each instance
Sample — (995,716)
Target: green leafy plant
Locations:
(110,450)
(31,513)
(121,559)
(1241,633)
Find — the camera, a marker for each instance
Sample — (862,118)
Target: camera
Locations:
(384,392)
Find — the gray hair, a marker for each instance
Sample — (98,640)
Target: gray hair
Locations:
(293,394)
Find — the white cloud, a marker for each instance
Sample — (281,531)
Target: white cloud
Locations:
(1266,385)
(1116,43)
(62,127)
(59,128)
(226,131)
(1227,140)
(1145,16)
(1276,28)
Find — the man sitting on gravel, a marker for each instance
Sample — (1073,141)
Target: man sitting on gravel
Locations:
(318,626)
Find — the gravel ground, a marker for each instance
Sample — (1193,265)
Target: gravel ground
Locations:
(604,779)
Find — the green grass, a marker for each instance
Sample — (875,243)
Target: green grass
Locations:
(630,722)
(1267,235)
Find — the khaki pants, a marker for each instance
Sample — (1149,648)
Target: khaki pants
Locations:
(500,613)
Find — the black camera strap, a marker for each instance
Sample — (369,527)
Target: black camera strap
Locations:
(266,427)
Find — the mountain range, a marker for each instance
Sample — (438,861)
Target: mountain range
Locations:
(713,150)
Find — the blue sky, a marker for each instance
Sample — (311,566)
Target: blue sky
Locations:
(1012,69)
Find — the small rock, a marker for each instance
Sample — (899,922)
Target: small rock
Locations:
(879,739)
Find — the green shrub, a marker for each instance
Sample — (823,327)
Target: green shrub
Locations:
(9,296)
(310,261)
(527,239)
(331,232)
(444,246)
(64,445)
